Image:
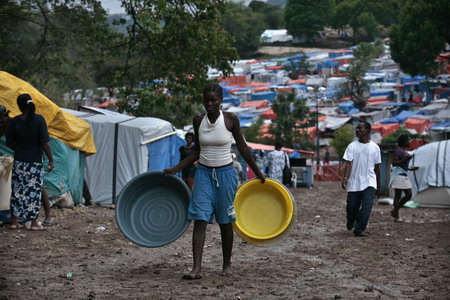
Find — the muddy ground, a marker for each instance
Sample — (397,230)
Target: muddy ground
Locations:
(319,260)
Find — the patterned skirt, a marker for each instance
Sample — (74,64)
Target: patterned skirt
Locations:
(26,184)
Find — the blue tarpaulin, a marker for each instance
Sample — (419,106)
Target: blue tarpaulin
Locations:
(164,153)
(346,106)
(270,96)
(233,100)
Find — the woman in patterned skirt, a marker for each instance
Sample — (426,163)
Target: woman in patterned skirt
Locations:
(276,161)
(28,136)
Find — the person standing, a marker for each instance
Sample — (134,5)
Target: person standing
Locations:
(399,178)
(361,179)
(215,178)
(188,173)
(27,135)
(276,160)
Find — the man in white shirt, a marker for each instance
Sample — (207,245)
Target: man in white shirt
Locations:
(361,179)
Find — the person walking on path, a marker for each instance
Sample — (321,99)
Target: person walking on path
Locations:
(399,178)
(361,179)
(27,136)
(215,178)
(276,160)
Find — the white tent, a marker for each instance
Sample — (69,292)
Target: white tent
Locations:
(126,147)
(431,182)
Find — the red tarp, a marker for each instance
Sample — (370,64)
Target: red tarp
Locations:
(255,103)
(235,80)
(257,146)
(297,81)
(419,125)
(274,68)
(385,129)
(284,89)
(261,89)
(269,115)
(416,143)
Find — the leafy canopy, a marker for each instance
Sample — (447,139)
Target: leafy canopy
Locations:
(307,16)
(420,35)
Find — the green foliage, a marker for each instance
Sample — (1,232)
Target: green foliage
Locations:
(56,46)
(343,137)
(356,87)
(423,30)
(253,132)
(174,41)
(273,15)
(392,137)
(245,26)
(145,102)
(296,68)
(364,16)
(290,111)
(307,16)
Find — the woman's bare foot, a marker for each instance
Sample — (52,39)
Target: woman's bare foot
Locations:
(227,271)
(193,275)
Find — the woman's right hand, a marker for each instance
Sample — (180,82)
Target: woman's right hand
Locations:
(171,170)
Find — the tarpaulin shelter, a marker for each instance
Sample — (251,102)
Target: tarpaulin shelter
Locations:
(431,182)
(419,125)
(269,114)
(255,103)
(70,138)
(72,131)
(385,129)
(126,147)
(270,96)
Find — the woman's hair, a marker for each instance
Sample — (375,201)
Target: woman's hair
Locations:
(189,134)
(402,140)
(26,105)
(278,144)
(213,88)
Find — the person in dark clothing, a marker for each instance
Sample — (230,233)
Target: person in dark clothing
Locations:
(188,173)
(27,135)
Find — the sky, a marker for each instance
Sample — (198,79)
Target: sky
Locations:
(113,6)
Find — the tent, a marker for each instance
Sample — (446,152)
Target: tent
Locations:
(126,147)
(70,138)
(431,182)
(419,125)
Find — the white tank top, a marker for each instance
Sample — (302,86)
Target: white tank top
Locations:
(215,142)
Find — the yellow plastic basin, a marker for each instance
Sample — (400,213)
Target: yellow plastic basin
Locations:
(263,211)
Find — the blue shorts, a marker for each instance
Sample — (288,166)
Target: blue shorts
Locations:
(213,195)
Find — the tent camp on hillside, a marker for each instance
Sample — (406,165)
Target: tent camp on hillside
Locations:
(70,138)
(126,147)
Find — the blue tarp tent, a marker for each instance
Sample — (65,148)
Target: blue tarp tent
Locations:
(233,100)
(270,96)
(346,106)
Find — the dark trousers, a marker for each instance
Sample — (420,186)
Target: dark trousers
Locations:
(359,207)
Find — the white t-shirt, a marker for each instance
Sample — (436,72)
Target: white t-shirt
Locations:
(364,157)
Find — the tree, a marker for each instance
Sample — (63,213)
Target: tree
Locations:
(173,42)
(245,26)
(273,15)
(290,112)
(420,35)
(343,137)
(56,46)
(307,16)
(356,87)
(365,16)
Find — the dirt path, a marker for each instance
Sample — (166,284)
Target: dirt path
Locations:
(319,260)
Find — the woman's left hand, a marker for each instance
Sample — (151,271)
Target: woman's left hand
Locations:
(50,166)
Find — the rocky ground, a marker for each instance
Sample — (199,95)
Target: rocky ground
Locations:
(320,259)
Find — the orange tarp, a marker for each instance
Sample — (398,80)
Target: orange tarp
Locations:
(274,68)
(419,125)
(261,89)
(297,81)
(235,80)
(284,89)
(385,129)
(256,83)
(255,103)
(379,98)
(269,114)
